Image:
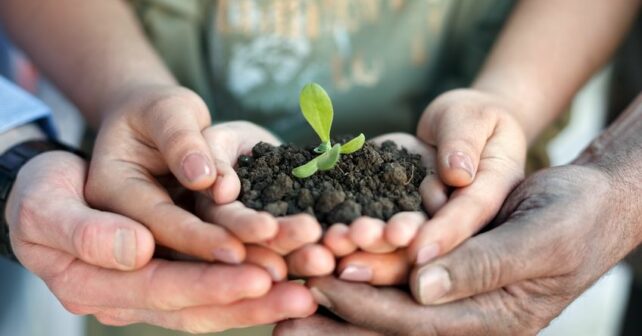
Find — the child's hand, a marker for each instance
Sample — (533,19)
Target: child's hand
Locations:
(480,154)
(292,236)
(481,150)
(376,236)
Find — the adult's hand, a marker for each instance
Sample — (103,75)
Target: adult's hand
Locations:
(99,263)
(151,132)
(564,228)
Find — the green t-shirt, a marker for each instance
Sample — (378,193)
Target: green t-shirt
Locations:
(380,61)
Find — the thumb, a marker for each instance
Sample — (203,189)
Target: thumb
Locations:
(100,238)
(46,208)
(175,126)
(460,138)
(227,142)
(516,251)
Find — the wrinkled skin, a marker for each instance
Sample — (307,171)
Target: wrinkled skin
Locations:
(75,250)
(560,231)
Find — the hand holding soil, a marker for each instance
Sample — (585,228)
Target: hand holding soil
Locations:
(292,236)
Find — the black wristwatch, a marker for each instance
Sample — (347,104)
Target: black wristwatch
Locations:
(10,163)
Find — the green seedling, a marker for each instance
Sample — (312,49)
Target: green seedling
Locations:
(316,107)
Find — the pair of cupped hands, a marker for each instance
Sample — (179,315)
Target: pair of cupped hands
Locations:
(161,182)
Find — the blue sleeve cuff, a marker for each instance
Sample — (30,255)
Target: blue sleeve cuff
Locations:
(17,107)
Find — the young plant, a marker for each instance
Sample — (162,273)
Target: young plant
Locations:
(316,107)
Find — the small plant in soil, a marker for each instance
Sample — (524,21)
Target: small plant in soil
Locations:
(317,109)
(373,180)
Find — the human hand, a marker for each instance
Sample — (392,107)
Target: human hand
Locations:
(293,236)
(149,133)
(81,253)
(479,158)
(374,251)
(562,229)
(481,151)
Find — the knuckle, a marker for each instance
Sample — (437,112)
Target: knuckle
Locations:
(162,108)
(84,237)
(483,266)
(76,309)
(154,285)
(180,139)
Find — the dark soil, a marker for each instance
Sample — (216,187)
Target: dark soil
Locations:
(376,181)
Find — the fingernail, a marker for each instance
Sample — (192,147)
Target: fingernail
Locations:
(459,160)
(356,273)
(196,166)
(226,256)
(427,253)
(434,283)
(125,248)
(320,298)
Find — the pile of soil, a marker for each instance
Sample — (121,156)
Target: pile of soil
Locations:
(376,181)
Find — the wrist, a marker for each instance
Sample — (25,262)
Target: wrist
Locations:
(521,100)
(20,134)
(617,152)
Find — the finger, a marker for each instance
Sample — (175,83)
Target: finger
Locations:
(311,260)
(161,285)
(434,193)
(377,269)
(148,203)
(60,221)
(50,211)
(337,240)
(517,250)
(227,141)
(225,147)
(387,311)
(402,228)
(460,135)
(368,234)
(318,325)
(391,311)
(249,225)
(285,300)
(267,259)
(295,231)
(175,126)
(467,211)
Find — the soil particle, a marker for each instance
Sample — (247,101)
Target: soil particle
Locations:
(376,181)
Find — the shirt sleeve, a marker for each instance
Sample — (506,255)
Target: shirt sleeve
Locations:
(17,107)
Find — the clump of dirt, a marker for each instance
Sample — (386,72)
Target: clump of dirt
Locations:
(376,181)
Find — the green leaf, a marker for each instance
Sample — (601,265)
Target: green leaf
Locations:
(307,169)
(330,158)
(353,145)
(317,109)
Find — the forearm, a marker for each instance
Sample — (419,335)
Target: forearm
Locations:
(93,50)
(618,153)
(548,49)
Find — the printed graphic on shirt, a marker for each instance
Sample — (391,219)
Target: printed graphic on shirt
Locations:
(366,53)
